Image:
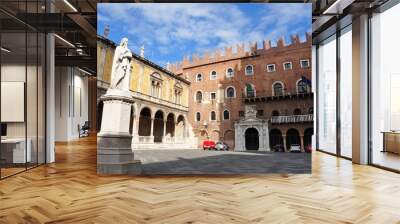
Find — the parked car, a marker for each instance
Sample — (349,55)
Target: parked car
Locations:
(221,146)
(278,148)
(208,144)
(295,148)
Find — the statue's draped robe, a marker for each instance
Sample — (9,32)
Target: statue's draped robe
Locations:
(121,68)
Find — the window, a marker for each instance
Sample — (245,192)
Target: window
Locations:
(260,112)
(178,93)
(199,77)
(297,111)
(275,113)
(278,89)
(229,73)
(156,83)
(271,68)
(213,95)
(199,97)
(230,92)
(241,113)
(198,116)
(302,87)
(305,63)
(226,115)
(287,66)
(213,116)
(249,70)
(250,90)
(213,75)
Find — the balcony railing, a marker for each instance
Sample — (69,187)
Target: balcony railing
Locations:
(265,96)
(292,119)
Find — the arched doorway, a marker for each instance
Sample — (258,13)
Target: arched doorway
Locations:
(170,129)
(99,114)
(229,138)
(276,140)
(292,138)
(158,126)
(308,133)
(215,135)
(145,122)
(180,127)
(251,139)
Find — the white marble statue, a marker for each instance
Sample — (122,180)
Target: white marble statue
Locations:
(121,67)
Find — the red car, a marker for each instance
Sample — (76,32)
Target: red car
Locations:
(208,144)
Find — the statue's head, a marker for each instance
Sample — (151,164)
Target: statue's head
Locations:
(124,42)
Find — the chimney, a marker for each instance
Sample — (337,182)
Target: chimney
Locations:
(281,42)
(295,39)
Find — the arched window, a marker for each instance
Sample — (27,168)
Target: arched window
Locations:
(199,77)
(249,70)
(226,115)
(213,75)
(275,113)
(213,116)
(198,116)
(230,92)
(199,97)
(301,87)
(229,72)
(297,111)
(278,89)
(250,90)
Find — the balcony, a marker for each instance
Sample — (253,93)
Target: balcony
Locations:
(292,119)
(267,96)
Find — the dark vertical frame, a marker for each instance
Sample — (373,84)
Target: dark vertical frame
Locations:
(44,80)
(338,95)
(316,109)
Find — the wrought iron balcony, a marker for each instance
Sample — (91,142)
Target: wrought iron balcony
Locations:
(292,119)
(266,96)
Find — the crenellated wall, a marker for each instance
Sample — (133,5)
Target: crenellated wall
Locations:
(241,52)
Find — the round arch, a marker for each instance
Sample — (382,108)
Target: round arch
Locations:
(230,92)
(276,91)
(307,139)
(180,126)
(292,137)
(276,140)
(229,138)
(170,125)
(145,121)
(252,138)
(158,126)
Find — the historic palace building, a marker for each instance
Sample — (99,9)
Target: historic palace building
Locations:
(159,118)
(256,99)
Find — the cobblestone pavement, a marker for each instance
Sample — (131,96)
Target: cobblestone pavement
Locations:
(197,161)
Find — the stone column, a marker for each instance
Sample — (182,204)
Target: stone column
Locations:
(284,142)
(152,127)
(165,130)
(302,143)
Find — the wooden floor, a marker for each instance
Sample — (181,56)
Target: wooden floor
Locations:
(69,191)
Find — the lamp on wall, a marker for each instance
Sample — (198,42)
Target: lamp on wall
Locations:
(205,124)
(5,50)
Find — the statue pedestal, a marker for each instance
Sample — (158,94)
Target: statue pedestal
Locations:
(114,153)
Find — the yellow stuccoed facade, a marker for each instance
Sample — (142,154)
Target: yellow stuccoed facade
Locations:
(141,75)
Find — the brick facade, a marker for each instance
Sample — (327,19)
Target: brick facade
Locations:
(260,79)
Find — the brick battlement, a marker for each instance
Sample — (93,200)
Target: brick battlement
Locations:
(217,55)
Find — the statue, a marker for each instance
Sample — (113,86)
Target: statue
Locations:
(121,68)
(142,51)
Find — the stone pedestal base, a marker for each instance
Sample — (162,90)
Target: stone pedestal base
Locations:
(114,156)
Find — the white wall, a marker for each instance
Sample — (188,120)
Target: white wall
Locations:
(71,102)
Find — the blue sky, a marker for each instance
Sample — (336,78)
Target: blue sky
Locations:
(171,31)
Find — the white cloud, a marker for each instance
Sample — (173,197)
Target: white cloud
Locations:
(201,26)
